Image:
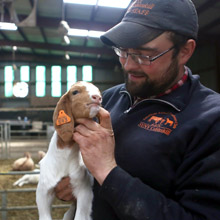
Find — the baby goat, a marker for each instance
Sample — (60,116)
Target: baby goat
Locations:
(25,163)
(63,158)
(28,179)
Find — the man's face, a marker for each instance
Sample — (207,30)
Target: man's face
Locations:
(146,81)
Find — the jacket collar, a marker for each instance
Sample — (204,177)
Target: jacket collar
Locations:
(177,99)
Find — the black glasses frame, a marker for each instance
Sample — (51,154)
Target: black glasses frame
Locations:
(138,58)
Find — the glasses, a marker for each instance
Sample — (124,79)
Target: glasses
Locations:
(138,58)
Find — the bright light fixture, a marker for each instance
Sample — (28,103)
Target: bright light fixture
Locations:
(20,89)
(78,32)
(114,3)
(84,33)
(14,48)
(67,56)
(105,3)
(66,39)
(83,2)
(8,26)
(95,34)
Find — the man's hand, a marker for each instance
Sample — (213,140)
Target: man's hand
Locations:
(97,144)
(63,190)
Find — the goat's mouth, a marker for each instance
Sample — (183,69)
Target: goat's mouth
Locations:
(94,108)
(93,104)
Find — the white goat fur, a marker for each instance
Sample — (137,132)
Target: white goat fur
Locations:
(28,179)
(63,157)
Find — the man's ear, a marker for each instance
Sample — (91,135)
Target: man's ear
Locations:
(186,51)
(63,120)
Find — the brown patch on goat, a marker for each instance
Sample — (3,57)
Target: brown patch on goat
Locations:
(74,103)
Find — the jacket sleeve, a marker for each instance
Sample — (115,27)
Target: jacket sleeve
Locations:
(196,190)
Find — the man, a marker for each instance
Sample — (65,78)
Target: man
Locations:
(163,162)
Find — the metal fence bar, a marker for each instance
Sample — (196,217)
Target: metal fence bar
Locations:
(20,172)
(18,190)
(20,208)
(9,134)
(4,208)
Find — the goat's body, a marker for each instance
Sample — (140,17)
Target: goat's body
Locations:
(63,158)
(57,164)
(28,179)
(23,164)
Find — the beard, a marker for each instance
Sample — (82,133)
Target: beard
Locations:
(148,87)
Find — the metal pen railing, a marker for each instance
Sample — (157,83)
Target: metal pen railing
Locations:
(4,208)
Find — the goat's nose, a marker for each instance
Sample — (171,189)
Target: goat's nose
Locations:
(97,98)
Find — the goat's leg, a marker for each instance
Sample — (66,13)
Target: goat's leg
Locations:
(19,181)
(69,214)
(84,203)
(44,199)
(23,182)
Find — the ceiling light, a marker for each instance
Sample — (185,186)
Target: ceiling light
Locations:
(95,34)
(105,3)
(8,26)
(14,48)
(78,32)
(84,33)
(67,56)
(114,4)
(83,2)
(66,39)
(20,89)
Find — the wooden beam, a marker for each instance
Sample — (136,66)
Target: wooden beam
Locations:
(6,57)
(68,48)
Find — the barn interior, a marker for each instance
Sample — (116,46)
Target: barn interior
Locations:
(47,45)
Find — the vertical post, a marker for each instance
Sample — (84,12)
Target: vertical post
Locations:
(2,141)
(4,205)
(5,140)
(7,131)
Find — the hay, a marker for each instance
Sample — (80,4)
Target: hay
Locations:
(22,198)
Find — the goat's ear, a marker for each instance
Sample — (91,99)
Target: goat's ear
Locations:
(63,120)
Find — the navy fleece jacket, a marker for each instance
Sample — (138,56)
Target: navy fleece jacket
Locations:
(168,156)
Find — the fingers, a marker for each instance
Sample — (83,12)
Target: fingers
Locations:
(63,190)
(104,117)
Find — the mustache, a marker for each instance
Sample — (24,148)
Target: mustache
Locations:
(136,73)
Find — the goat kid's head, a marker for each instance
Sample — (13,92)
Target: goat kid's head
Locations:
(83,100)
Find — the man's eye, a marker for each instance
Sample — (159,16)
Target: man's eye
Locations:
(75,92)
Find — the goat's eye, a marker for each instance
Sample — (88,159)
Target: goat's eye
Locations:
(75,92)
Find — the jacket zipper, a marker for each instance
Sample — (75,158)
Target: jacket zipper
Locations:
(157,100)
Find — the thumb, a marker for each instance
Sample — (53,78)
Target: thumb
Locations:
(105,118)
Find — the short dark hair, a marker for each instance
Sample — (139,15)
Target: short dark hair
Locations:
(178,41)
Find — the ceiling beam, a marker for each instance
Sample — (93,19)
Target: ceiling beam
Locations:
(51,59)
(79,49)
(4,35)
(48,22)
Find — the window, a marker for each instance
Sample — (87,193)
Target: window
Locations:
(25,73)
(8,78)
(71,76)
(40,81)
(56,81)
(87,73)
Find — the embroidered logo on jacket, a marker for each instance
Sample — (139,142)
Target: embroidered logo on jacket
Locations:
(162,122)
